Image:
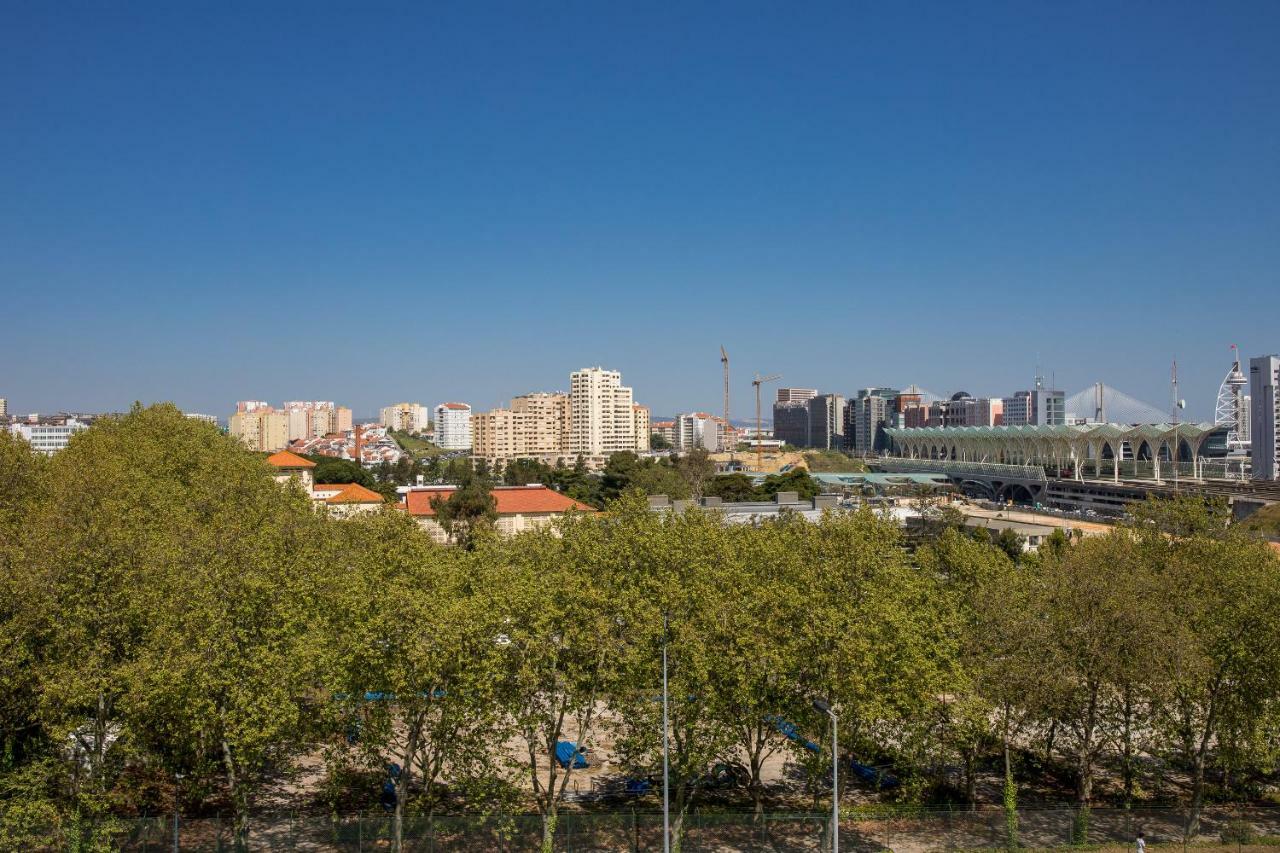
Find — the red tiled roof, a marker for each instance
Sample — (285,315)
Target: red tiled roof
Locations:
(455,405)
(354,493)
(511,501)
(285,459)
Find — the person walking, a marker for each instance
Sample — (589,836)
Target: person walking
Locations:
(1142,843)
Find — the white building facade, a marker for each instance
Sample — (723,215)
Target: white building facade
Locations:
(453,426)
(603,417)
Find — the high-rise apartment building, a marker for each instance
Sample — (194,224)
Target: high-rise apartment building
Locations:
(826,421)
(535,426)
(795,395)
(261,428)
(1264,416)
(791,422)
(316,418)
(4,408)
(640,414)
(601,407)
(405,417)
(453,426)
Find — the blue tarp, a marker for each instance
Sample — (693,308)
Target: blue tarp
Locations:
(566,751)
(790,732)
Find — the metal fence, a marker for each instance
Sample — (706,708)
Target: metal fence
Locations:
(915,831)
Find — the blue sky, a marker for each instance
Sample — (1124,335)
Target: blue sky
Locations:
(207,202)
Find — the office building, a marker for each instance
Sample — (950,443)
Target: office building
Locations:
(1264,416)
(48,435)
(405,417)
(866,417)
(791,422)
(796,395)
(1017,409)
(603,421)
(826,421)
(453,426)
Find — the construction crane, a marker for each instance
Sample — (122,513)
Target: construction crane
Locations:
(758,381)
(724,360)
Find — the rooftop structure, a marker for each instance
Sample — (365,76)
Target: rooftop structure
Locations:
(1077,449)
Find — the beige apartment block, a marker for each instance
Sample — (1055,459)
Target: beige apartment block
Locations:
(536,426)
(264,430)
(603,421)
(405,417)
(641,416)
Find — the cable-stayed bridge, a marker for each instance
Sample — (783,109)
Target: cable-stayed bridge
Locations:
(1103,404)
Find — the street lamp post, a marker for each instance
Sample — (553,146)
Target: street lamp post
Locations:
(825,707)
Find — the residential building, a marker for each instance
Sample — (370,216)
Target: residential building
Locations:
(208,419)
(826,421)
(344,500)
(315,418)
(697,429)
(603,422)
(791,422)
(536,426)
(4,408)
(666,429)
(291,466)
(519,508)
(453,426)
(640,414)
(795,395)
(48,435)
(1264,416)
(405,417)
(261,428)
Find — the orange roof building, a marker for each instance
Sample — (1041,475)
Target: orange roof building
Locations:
(520,508)
(291,466)
(286,460)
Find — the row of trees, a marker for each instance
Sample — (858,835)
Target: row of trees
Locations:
(169,612)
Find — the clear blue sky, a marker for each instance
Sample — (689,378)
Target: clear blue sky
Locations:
(205,202)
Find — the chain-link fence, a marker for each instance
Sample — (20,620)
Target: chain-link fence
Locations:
(635,831)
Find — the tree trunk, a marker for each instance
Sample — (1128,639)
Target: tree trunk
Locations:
(238,799)
(1126,766)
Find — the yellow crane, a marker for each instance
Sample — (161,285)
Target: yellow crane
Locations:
(724,360)
(757,382)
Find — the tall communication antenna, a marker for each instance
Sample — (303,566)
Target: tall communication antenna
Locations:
(1229,411)
(724,360)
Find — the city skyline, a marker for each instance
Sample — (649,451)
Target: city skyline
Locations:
(472,203)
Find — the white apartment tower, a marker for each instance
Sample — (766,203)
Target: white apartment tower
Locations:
(604,421)
(453,426)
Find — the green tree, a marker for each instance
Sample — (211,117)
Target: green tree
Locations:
(467,512)
(796,480)
(409,655)
(330,469)
(732,488)
(561,644)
